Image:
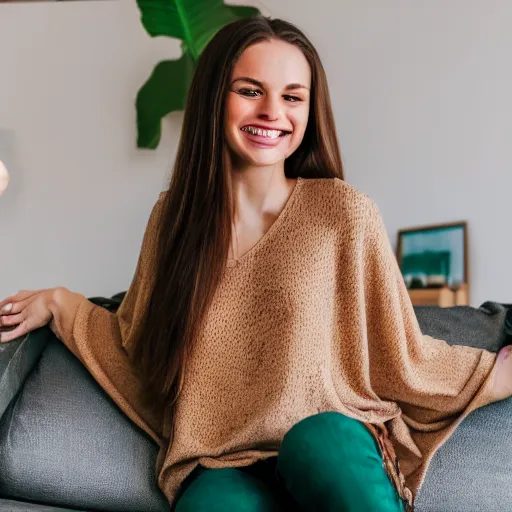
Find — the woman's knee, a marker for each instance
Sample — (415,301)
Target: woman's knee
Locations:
(331,462)
(321,433)
(226,490)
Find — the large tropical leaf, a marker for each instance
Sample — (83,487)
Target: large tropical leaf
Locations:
(194,22)
(164,92)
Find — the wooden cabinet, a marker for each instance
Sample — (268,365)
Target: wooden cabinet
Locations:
(443,297)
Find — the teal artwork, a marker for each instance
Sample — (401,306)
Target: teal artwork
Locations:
(428,263)
(433,256)
(194,22)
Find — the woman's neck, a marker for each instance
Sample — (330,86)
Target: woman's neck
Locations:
(259,191)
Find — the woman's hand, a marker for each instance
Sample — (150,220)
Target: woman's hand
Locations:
(24,312)
(501,383)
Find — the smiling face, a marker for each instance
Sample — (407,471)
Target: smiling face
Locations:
(267,106)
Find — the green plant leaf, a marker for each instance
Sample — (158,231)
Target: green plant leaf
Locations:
(164,92)
(195,22)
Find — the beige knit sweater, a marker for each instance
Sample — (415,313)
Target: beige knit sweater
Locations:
(314,318)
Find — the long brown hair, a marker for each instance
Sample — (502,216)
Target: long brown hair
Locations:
(195,224)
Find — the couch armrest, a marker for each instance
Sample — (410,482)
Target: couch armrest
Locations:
(17,358)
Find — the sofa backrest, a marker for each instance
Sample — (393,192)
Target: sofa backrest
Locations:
(464,325)
(64,442)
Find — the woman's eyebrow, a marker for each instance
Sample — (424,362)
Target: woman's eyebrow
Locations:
(257,83)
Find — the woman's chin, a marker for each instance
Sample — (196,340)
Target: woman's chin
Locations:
(265,162)
(263,158)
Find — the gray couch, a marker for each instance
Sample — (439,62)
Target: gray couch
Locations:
(64,445)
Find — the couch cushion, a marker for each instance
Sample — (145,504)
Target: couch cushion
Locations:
(19,506)
(17,359)
(65,443)
(472,471)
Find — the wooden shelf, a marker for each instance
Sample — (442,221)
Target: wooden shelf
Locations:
(443,297)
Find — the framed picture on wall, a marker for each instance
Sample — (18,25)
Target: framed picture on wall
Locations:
(434,256)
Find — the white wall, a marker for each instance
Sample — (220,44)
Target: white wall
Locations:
(81,191)
(423,105)
(421,92)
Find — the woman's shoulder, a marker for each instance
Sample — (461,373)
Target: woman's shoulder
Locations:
(158,205)
(337,197)
(350,193)
(345,210)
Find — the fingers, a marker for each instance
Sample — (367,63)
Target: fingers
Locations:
(13,308)
(10,320)
(505,353)
(12,314)
(21,313)
(18,297)
(17,332)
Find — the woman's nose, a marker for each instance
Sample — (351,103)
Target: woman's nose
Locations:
(270,109)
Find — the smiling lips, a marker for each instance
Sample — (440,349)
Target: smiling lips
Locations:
(264,137)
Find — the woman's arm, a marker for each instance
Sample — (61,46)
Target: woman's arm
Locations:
(63,305)
(500,385)
(28,310)
(432,381)
(93,334)
(99,338)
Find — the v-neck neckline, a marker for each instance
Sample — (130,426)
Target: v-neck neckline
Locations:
(233,263)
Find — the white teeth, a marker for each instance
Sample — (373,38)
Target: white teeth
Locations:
(269,134)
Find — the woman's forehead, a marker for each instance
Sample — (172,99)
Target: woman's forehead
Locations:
(274,63)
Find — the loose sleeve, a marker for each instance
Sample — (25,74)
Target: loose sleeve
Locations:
(434,384)
(100,339)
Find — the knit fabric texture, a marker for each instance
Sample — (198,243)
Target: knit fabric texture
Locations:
(315,317)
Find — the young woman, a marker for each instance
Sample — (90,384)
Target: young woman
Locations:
(267,342)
